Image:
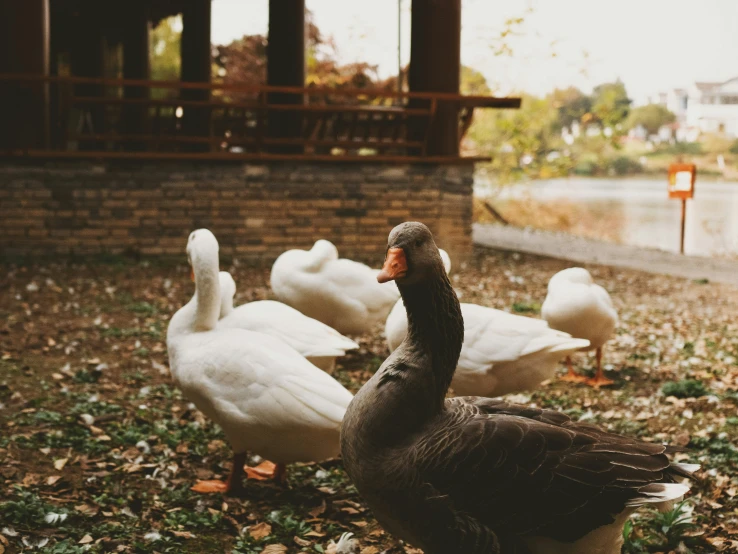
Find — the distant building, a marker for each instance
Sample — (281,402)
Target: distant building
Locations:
(705,107)
(713,107)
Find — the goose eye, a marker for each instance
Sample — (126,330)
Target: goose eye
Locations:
(418,242)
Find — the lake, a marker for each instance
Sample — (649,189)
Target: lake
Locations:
(649,218)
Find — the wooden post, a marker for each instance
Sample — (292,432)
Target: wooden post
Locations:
(24,49)
(435,66)
(136,66)
(684,220)
(88,60)
(286,67)
(196,66)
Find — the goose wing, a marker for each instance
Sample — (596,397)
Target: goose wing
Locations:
(530,472)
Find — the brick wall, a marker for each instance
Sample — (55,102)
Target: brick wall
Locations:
(256,211)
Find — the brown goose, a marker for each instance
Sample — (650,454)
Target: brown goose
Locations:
(473,475)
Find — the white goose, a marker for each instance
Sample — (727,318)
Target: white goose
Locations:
(341,293)
(502,353)
(264,394)
(316,341)
(577,305)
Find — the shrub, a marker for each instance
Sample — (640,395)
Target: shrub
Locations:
(623,165)
(687,388)
(734,147)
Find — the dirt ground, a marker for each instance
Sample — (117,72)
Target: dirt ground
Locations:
(98,449)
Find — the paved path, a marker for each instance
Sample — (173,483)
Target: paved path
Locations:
(577,249)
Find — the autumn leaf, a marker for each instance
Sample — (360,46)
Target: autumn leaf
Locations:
(260,530)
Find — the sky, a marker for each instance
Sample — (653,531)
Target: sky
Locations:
(651,45)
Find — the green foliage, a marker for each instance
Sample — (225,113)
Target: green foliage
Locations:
(526,308)
(659,531)
(165,51)
(651,116)
(687,388)
(734,147)
(28,510)
(572,106)
(473,82)
(610,104)
(623,165)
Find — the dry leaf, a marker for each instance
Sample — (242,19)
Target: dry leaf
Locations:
(315,512)
(52,479)
(260,530)
(86,509)
(183,534)
(265,470)
(370,550)
(301,542)
(60,463)
(274,549)
(87,539)
(359,523)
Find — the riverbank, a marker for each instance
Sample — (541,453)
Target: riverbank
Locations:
(627,211)
(583,250)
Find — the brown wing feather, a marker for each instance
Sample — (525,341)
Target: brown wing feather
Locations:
(524,471)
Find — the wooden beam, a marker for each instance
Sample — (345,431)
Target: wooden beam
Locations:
(24,48)
(196,62)
(435,66)
(136,65)
(286,66)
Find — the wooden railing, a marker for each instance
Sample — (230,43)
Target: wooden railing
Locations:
(121,118)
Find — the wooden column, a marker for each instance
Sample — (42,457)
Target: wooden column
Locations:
(87,57)
(435,66)
(24,49)
(136,66)
(286,67)
(196,67)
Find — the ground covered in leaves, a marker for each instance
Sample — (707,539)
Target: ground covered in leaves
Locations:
(98,450)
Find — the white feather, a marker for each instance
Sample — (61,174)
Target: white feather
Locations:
(266,396)
(341,293)
(502,353)
(316,341)
(576,305)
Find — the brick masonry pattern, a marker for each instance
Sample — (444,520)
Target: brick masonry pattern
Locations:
(256,211)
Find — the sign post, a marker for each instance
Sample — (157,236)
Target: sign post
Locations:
(681,186)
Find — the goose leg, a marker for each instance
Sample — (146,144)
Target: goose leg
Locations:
(233,486)
(571,376)
(599,379)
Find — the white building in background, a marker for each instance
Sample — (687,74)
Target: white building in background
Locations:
(703,108)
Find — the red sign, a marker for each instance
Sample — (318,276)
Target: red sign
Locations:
(681,180)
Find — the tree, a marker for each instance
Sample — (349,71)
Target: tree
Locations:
(572,106)
(165,45)
(473,82)
(610,104)
(651,117)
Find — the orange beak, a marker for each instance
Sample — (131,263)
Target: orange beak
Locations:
(192,275)
(395,265)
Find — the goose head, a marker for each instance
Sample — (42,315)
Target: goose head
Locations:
(572,275)
(202,254)
(412,255)
(202,250)
(324,251)
(227,292)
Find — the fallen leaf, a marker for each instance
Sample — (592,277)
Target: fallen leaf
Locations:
(359,523)
(52,479)
(86,509)
(60,463)
(301,542)
(183,534)
(274,549)
(87,539)
(370,550)
(265,470)
(315,512)
(260,530)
